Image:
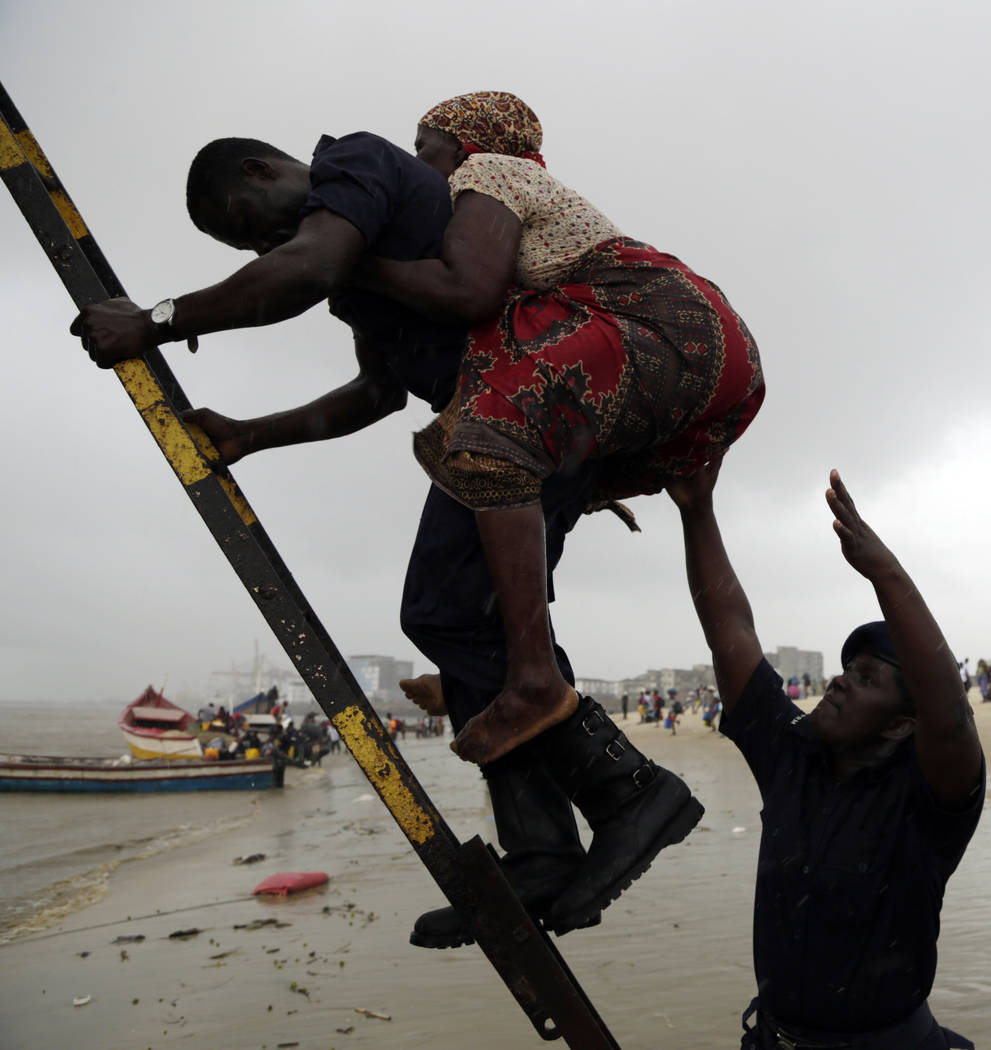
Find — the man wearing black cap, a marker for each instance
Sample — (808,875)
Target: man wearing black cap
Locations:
(869,801)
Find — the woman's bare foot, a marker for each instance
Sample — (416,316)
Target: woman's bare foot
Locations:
(426,693)
(514,717)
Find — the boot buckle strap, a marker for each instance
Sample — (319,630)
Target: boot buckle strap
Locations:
(592,722)
(615,749)
(644,775)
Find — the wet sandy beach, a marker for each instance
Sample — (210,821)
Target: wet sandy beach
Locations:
(669,967)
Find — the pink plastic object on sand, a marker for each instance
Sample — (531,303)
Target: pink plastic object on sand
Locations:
(291,882)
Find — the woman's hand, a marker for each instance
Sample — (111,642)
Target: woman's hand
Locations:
(696,489)
(228,435)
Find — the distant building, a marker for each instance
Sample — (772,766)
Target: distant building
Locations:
(596,687)
(379,676)
(665,678)
(788,661)
(650,680)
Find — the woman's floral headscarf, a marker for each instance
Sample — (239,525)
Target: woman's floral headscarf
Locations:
(489,122)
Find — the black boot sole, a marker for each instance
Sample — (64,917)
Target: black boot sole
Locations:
(460,939)
(674,831)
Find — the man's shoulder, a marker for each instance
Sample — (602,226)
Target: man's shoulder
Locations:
(369,159)
(358,140)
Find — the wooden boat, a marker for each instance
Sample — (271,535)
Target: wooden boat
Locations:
(50,773)
(156,728)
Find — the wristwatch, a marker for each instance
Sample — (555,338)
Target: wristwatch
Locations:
(162,316)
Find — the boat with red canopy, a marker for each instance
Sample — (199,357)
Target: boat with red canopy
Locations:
(156,728)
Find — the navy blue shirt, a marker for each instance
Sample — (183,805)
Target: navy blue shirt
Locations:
(401,206)
(850,875)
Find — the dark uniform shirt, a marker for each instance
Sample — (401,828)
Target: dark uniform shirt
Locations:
(850,875)
(401,206)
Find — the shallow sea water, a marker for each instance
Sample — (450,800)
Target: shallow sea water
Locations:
(60,850)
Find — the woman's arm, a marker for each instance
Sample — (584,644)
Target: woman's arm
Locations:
(469,281)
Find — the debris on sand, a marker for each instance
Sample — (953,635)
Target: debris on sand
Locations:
(257,924)
(372,1013)
(184,935)
(124,938)
(82,1000)
(251,858)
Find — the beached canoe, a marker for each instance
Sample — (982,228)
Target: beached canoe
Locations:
(156,728)
(51,773)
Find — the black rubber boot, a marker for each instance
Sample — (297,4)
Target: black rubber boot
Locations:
(536,827)
(634,807)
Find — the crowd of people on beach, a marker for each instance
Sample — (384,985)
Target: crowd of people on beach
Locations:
(427,726)
(982,679)
(226,735)
(653,707)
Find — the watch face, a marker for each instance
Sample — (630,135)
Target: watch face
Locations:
(161,313)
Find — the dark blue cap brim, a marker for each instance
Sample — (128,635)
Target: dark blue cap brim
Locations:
(873,638)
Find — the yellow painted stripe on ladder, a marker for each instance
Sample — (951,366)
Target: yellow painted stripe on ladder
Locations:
(359,733)
(11,154)
(24,148)
(240,504)
(171,435)
(181,450)
(34,153)
(70,216)
(60,198)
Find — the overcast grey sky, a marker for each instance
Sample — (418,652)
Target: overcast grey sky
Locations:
(826,165)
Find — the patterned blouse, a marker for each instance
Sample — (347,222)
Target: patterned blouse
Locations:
(559,226)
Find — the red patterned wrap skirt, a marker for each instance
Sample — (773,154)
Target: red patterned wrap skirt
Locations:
(635,361)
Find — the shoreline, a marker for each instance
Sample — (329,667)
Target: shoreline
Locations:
(670,964)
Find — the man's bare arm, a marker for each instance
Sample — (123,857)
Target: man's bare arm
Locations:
(373,394)
(274,287)
(946,738)
(720,601)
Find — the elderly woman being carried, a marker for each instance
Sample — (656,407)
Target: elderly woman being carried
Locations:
(586,346)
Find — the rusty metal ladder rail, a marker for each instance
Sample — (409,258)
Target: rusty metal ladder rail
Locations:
(520,951)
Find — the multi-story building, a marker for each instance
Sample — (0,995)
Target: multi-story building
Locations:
(597,687)
(379,676)
(789,660)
